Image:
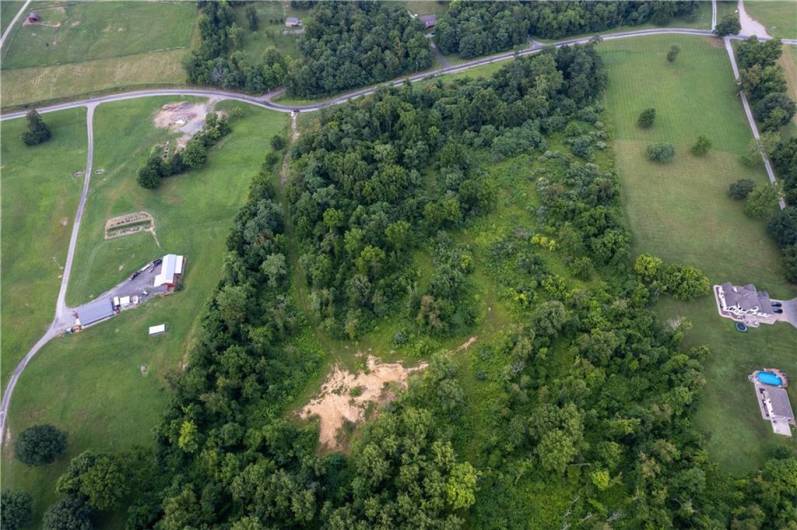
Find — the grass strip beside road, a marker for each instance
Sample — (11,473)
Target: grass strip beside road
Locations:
(41,188)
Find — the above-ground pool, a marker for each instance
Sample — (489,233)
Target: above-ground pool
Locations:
(769,378)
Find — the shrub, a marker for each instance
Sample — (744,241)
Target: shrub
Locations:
(673,53)
(761,202)
(729,25)
(740,189)
(70,513)
(278,142)
(661,153)
(37,132)
(40,445)
(702,146)
(646,118)
(16,510)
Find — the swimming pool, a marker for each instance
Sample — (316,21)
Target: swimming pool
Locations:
(769,378)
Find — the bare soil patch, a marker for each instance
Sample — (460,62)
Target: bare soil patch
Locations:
(187,118)
(345,396)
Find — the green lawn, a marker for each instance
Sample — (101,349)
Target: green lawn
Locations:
(39,200)
(76,32)
(680,212)
(780,18)
(271,24)
(8,10)
(106,386)
(85,47)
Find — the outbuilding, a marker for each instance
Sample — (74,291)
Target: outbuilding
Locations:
(171,272)
(429,21)
(293,22)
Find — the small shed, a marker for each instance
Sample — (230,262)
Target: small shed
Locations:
(157,330)
(293,22)
(33,18)
(171,271)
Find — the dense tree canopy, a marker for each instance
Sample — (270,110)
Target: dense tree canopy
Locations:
(471,28)
(40,445)
(351,44)
(16,509)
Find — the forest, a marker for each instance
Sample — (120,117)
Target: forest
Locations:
(471,29)
(344,45)
(593,395)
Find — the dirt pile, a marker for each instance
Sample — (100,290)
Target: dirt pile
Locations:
(344,396)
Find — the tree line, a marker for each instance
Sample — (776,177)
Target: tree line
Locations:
(344,45)
(471,29)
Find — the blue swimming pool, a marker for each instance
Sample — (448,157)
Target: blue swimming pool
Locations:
(769,378)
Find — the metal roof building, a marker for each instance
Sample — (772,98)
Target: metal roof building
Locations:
(171,269)
(95,311)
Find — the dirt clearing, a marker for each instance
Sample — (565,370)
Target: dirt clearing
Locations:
(344,396)
(187,118)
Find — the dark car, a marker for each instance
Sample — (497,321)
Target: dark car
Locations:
(779,311)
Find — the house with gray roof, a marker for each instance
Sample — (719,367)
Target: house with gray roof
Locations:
(773,400)
(745,303)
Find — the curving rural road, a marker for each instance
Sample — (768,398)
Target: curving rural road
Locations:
(62,320)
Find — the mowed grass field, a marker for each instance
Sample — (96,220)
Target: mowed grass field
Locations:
(680,212)
(8,10)
(107,385)
(82,47)
(789,63)
(779,17)
(39,199)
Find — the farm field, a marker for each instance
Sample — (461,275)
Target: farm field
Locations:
(39,199)
(84,47)
(779,17)
(680,212)
(117,359)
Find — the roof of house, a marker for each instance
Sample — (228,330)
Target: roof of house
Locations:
(746,297)
(781,407)
(95,311)
(171,266)
(293,21)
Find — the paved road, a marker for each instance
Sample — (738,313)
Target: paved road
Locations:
(751,120)
(7,32)
(62,313)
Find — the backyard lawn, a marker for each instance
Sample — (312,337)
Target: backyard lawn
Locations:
(82,47)
(107,386)
(680,212)
(39,199)
(779,17)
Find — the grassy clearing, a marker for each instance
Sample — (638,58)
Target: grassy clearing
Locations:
(107,386)
(271,24)
(680,212)
(427,7)
(8,10)
(779,17)
(96,46)
(76,32)
(39,200)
